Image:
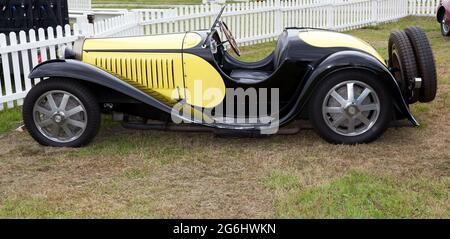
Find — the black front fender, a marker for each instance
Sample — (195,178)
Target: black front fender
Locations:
(354,60)
(84,72)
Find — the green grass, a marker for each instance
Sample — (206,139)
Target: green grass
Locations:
(117,147)
(10,119)
(32,208)
(280,180)
(359,195)
(255,52)
(43,208)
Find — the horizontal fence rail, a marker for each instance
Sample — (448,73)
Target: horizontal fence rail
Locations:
(79,4)
(251,23)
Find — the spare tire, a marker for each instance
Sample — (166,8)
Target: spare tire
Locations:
(403,61)
(425,61)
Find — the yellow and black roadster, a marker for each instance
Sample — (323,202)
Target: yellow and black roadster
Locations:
(188,81)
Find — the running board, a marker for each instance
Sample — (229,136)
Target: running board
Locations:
(288,130)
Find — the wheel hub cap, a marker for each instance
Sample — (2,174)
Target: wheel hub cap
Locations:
(60,116)
(351,108)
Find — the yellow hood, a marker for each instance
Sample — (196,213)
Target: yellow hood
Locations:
(161,42)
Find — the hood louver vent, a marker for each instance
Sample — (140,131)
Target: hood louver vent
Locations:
(150,73)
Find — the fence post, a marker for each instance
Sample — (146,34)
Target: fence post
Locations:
(374,12)
(138,18)
(86,29)
(409,8)
(330,14)
(278,17)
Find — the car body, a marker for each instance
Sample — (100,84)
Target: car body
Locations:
(443,17)
(147,76)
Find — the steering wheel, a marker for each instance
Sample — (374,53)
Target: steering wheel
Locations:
(231,39)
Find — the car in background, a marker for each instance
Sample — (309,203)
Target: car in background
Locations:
(443,17)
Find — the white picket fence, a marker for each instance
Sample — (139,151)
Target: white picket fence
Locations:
(256,22)
(125,25)
(251,22)
(79,4)
(21,52)
(423,7)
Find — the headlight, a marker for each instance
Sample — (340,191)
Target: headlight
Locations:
(75,53)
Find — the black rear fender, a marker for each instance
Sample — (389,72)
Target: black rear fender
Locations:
(355,60)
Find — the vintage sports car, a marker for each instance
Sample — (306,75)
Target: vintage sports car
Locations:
(341,84)
(443,17)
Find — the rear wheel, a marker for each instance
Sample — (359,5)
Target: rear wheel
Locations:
(403,61)
(61,113)
(351,108)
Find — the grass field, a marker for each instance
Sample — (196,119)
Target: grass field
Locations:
(151,174)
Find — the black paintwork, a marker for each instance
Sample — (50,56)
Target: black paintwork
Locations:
(296,69)
(299,68)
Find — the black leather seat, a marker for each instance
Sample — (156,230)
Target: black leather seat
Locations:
(249,76)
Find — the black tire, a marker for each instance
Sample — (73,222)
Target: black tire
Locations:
(78,90)
(426,64)
(379,127)
(401,57)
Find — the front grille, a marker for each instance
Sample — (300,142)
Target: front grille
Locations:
(151,73)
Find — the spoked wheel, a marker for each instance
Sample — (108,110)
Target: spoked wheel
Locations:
(351,108)
(63,122)
(61,113)
(351,116)
(445,27)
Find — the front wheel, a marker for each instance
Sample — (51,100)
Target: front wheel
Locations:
(61,113)
(351,108)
